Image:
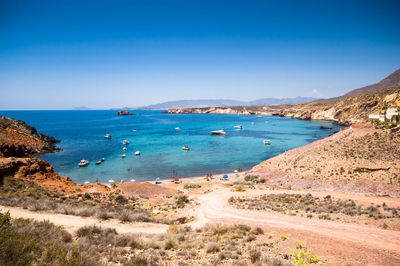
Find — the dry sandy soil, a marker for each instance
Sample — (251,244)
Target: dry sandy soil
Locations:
(337,242)
(359,159)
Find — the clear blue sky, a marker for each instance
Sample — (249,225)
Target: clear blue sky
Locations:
(63,54)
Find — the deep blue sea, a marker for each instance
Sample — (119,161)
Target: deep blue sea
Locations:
(82,137)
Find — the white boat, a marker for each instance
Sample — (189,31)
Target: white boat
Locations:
(218,132)
(238,127)
(259,116)
(134,130)
(123,155)
(185,148)
(133,180)
(137,153)
(111,181)
(83,163)
(124,148)
(177,128)
(125,142)
(107,136)
(87,182)
(267,142)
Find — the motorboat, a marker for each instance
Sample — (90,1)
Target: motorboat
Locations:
(107,136)
(185,148)
(125,142)
(259,116)
(99,162)
(124,149)
(123,155)
(133,130)
(133,180)
(111,181)
(218,132)
(137,153)
(238,127)
(83,163)
(177,128)
(102,159)
(267,142)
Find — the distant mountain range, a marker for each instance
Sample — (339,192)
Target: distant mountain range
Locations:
(223,102)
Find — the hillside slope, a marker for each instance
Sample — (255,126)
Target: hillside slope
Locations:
(390,81)
(359,159)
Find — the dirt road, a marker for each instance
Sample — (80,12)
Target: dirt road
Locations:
(72,223)
(342,242)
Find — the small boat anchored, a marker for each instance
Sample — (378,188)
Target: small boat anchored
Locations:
(107,136)
(177,128)
(123,155)
(124,149)
(259,116)
(218,132)
(238,127)
(125,142)
(137,153)
(83,163)
(267,142)
(100,161)
(185,148)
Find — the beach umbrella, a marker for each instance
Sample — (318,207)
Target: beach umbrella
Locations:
(225,176)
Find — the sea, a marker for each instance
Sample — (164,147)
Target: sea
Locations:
(154,134)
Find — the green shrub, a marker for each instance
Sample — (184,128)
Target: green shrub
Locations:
(181,201)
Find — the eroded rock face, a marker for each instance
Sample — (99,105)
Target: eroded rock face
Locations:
(18,139)
(28,168)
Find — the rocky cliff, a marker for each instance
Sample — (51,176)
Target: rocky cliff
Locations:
(18,139)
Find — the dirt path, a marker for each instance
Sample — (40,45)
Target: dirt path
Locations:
(340,241)
(71,223)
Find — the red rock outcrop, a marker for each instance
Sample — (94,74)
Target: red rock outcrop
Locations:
(18,139)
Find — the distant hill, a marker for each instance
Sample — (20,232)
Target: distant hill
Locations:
(390,81)
(275,101)
(353,107)
(224,102)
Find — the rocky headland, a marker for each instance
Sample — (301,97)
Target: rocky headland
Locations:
(19,143)
(18,139)
(354,107)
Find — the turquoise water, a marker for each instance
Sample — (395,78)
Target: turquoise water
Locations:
(82,137)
